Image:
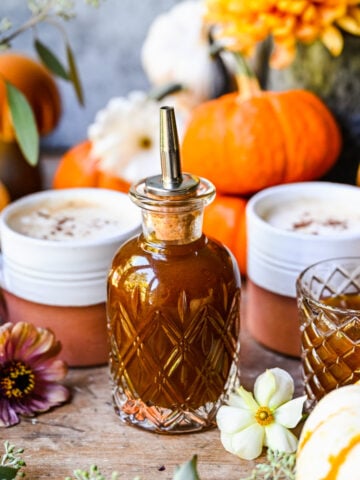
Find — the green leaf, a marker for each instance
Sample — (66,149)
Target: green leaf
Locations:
(50,60)
(187,471)
(8,473)
(24,123)
(73,75)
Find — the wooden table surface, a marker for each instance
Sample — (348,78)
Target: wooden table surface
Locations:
(86,431)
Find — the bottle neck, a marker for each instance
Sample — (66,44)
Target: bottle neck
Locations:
(176,228)
(172,218)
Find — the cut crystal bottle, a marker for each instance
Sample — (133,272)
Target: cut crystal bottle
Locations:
(173,305)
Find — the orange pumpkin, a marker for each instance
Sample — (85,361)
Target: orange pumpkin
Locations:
(4,196)
(78,168)
(246,144)
(358,176)
(38,86)
(224,219)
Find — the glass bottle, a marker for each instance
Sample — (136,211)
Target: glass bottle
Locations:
(173,305)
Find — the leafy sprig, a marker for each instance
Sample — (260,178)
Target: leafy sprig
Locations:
(11,462)
(279,466)
(52,12)
(92,474)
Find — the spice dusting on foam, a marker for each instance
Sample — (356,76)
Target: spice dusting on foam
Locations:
(68,221)
(315,217)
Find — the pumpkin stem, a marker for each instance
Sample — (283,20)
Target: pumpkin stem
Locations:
(161,92)
(246,80)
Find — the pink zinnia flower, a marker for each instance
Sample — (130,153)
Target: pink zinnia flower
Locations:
(29,372)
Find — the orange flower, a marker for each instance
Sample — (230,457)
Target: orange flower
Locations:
(244,23)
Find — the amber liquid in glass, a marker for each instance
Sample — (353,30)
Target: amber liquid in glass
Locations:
(348,301)
(173,322)
(331,343)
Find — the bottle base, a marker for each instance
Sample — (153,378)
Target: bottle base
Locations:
(164,420)
(177,420)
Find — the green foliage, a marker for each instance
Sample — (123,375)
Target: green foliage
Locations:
(279,466)
(11,462)
(92,474)
(24,123)
(187,471)
(73,74)
(49,59)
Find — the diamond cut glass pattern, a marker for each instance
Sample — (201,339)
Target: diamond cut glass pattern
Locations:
(329,309)
(174,348)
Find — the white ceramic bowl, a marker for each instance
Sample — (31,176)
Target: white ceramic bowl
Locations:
(63,273)
(277,256)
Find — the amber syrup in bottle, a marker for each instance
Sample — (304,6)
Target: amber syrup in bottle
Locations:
(173,305)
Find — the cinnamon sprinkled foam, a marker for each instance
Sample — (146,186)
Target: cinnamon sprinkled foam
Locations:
(68,221)
(315,217)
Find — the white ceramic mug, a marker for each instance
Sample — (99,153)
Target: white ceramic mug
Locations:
(277,254)
(290,227)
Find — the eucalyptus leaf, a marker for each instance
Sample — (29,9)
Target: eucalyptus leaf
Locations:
(73,74)
(24,123)
(187,471)
(8,473)
(50,60)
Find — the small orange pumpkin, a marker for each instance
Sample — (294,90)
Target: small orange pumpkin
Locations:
(78,168)
(224,219)
(244,143)
(38,86)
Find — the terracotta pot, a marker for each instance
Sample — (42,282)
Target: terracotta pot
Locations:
(272,320)
(81,330)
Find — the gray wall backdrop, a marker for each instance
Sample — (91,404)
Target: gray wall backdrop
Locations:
(107,43)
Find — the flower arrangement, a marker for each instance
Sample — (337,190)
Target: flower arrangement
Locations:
(242,24)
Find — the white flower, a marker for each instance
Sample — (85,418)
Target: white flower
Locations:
(125,136)
(250,421)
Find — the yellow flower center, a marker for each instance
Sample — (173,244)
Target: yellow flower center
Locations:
(16,380)
(264,416)
(145,143)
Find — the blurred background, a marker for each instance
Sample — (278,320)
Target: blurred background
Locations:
(107,44)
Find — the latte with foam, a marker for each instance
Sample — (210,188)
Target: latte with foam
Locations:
(68,220)
(315,216)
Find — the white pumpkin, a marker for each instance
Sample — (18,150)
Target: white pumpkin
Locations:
(329,444)
(176,50)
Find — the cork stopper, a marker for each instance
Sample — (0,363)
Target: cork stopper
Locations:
(171,182)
